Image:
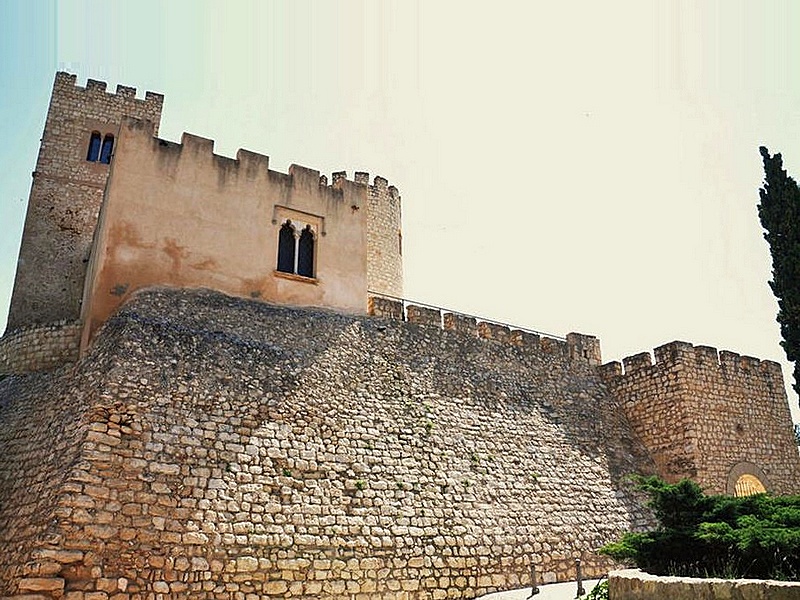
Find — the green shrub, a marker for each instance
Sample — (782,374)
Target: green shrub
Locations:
(598,592)
(714,536)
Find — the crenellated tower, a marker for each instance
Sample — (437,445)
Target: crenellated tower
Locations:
(716,417)
(78,144)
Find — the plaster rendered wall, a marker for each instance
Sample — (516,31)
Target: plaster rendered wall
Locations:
(179,215)
(65,198)
(231,448)
(703,413)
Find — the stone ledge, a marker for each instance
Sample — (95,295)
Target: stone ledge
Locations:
(633,584)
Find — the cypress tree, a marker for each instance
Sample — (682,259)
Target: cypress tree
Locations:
(779,211)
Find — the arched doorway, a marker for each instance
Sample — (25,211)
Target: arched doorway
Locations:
(746,479)
(748,485)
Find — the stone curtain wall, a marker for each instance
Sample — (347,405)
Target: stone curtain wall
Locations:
(235,449)
(384,237)
(576,346)
(703,412)
(39,348)
(65,197)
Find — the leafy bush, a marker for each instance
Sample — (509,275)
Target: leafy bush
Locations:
(714,536)
(598,592)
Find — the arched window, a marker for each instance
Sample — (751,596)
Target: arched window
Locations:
(94,147)
(108,146)
(296,245)
(305,253)
(286,243)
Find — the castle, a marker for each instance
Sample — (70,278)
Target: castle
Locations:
(213,389)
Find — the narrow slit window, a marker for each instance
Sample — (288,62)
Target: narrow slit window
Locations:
(305,253)
(286,248)
(94,147)
(108,146)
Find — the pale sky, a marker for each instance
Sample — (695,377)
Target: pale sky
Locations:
(564,166)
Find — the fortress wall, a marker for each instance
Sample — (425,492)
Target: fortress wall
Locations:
(239,448)
(42,417)
(179,215)
(39,347)
(731,410)
(384,238)
(652,400)
(65,197)
(576,347)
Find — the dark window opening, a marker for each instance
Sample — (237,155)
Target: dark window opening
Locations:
(108,146)
(286,248)
(94,147)
(305,253)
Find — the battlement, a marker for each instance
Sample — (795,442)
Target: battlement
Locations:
(683,355)
(379,184)
(253,164)
(68,81)
(575,347)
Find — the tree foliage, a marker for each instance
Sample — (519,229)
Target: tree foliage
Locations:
(779,211)
(715,536)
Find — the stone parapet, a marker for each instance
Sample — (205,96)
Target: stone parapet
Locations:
(385,308)
(420,315)
(576,347)
(460,323)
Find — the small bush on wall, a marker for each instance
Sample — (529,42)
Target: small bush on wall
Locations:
(715,536)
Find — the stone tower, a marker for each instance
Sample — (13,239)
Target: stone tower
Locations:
(384,239)
(77,147)
(718,418)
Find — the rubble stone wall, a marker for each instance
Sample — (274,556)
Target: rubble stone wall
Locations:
(39,347)
(632,584)
(230,449)
(41,440)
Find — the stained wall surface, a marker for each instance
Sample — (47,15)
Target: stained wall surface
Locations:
(65,197)
(179,215)
(227,448)
(706,415)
